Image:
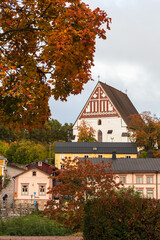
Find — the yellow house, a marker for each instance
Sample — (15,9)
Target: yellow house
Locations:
(3,168)
(93,150)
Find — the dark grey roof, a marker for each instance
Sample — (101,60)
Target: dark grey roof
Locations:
(95,147)
(125,165)
(120,101)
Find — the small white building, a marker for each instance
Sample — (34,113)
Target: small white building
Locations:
(107,111)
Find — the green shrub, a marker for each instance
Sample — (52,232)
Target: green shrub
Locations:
(32,226)
(122,216)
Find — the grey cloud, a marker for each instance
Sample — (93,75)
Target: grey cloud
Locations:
(128,59)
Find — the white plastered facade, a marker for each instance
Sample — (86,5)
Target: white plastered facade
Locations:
(100,109)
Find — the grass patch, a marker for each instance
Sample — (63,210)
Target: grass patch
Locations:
(32,225)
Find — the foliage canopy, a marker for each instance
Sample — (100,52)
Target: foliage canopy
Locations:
(86,133)
(145,131)
(77,182)
(122,215)
(46,48)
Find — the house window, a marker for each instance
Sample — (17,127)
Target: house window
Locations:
(34,173)
(42,190)
(139,179)
(140,192)
(99,122)
(62,166)
(25,189)
(100,156)
(128,156)
(86,156)
(123,179)
(149,179)
(150,194)
(62,157)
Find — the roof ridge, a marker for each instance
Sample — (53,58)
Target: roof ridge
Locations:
(113,88)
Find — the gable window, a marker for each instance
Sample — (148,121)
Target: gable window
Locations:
(139,179)
(149,179)
(123,179)
(42,189)
(25,189)
(40,164)
(99,122)
(34,173)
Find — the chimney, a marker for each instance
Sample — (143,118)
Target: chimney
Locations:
(114,155)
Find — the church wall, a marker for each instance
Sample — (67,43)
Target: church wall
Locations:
(111,127)
(113,108)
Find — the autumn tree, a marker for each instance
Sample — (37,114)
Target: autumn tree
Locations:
(25,152)
(86,133)
(3,148)
(145,131)
(46,48)
(77,182)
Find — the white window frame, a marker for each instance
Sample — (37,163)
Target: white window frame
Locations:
(25,186)
(150,178)
(139,179)
(150,194)
(122,179)
(40,164)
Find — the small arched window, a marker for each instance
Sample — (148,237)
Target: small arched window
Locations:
(99,121)
(99,136)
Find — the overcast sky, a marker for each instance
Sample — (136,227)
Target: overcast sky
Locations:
(128,59)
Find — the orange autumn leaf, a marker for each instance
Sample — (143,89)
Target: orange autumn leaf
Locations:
(47,48)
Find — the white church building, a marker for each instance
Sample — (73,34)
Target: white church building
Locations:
(107,111)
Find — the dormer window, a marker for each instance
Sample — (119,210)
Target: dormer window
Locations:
(39,164)
(99,122)
(94,149)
